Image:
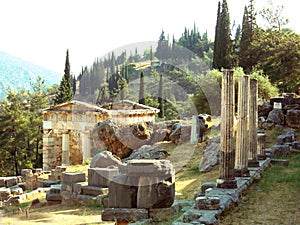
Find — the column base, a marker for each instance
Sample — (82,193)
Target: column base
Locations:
(241,172)
(227,184)
(253,163)
(261,157)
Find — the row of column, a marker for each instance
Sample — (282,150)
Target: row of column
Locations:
(235,162)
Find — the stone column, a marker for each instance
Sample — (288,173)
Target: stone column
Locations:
(86,146)
(253,124)
(242,134)
(194,133)
(261,139)
(65,157)
(227,152)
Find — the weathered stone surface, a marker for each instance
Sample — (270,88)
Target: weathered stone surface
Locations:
(163,169)
(93,191)
(11,181)
(122,214)
(182,205)
(147,152)
(161,214)
(101,177)
(48,183)
(77,187)
(296,145)
(276,116)
(85,199)
(104,159)
(121,140)
(180,133)
(281,150)
(153,193)
(281,162)
(194,216)
(293,118)
(264,109)
(211,155)
(267,126)
(207,203)
(72,177)
(206,186)
(53,197)
(16,190)
(4,193)
(122,192)
(285,138)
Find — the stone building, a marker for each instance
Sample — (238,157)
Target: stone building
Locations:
(67,128)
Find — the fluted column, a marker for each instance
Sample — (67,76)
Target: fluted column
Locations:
(261,141)
(253,124)
(242,135)
(227,152)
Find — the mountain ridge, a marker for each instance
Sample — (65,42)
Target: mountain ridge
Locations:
(16,73)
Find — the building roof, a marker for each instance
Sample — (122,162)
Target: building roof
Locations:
(122,107)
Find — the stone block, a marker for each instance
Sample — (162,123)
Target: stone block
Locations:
(296,145)
(85,199)
(93,190)
(101,177)
(293,118)
(55,189)
(2,182)
(207,203)
(161,214)
(207,185)
(122,192)
(153,193)
(281,151)
(24,172)
(16,190)
(163,169)
(67,187)
(124,215)
(77,188)
(48,183)
(72,177)
(11,181)
(285,138)
(281,162)
(53,197)
(4,193)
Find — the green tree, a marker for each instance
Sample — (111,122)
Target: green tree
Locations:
(65,90)
(163,49)
(223,48)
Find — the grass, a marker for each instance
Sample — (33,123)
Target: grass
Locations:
(275,199)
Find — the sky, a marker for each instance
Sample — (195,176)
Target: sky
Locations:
(40,31)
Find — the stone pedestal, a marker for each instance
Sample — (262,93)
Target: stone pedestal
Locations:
(242,135)
(194,133)
(253,124)
(227,152)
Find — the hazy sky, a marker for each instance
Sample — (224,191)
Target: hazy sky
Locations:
(40,31)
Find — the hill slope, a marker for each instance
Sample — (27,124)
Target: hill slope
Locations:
(16,73)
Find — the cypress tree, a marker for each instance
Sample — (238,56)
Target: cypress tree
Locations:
(216,57)
(161,113)
(225,40)
(246,56)
(142,91)
(65,90)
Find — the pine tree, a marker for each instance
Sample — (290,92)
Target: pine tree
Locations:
(161,113)
(65,91)
(142,91)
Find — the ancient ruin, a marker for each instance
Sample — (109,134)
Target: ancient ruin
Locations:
(67,128)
